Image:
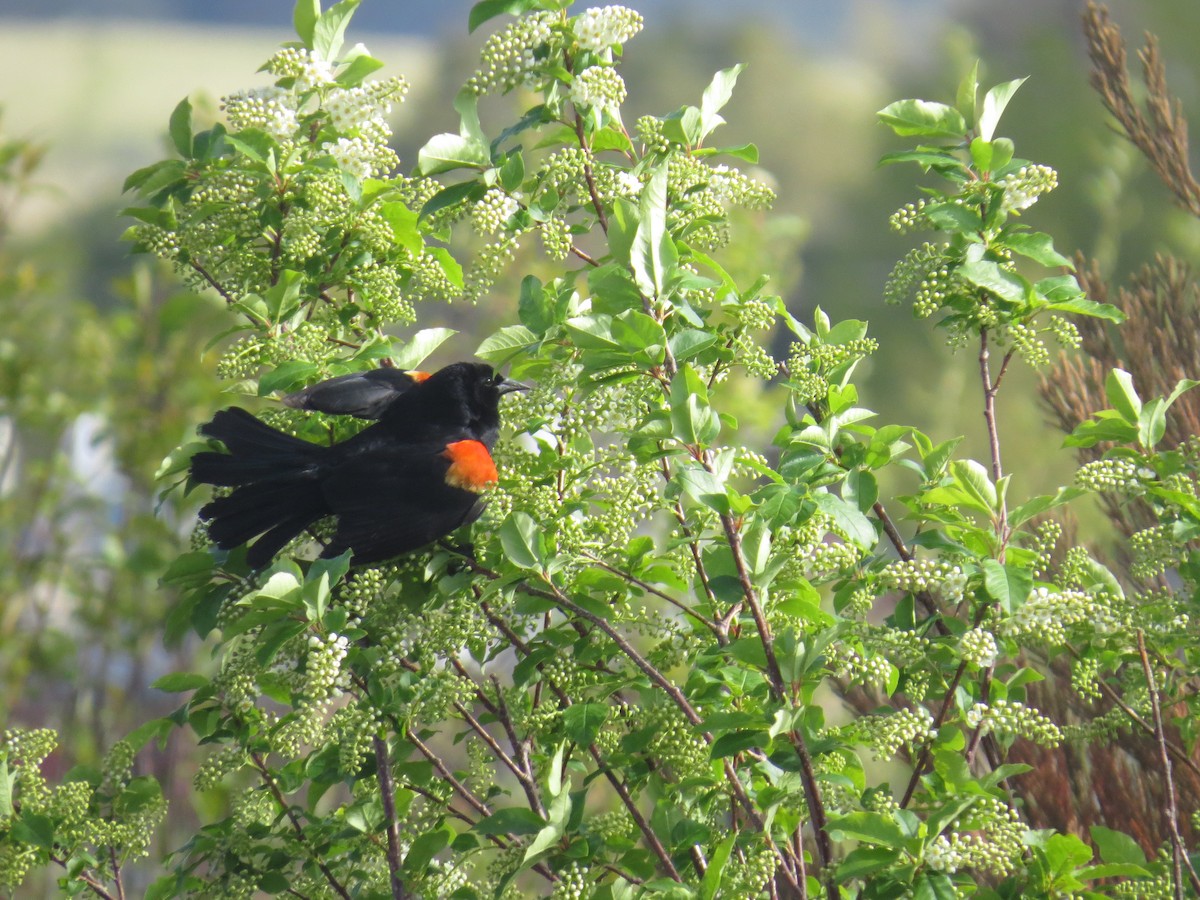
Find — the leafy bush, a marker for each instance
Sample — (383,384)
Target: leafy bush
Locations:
(664,662)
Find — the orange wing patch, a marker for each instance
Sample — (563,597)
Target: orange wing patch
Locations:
(417,376)
(471,466)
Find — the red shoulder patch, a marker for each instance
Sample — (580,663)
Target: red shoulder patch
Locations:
(471,466)
(417,376)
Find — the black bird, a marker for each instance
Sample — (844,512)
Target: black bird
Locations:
(412,477)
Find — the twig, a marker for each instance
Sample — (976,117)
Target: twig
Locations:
(1179,857)
(228,298)
(116,867)
(95,886)
(387,792)
(269,780)
(650,589)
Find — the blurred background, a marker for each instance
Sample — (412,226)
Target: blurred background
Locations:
(103,368)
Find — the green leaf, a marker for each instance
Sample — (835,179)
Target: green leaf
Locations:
(1181,387)
(968,93)
(582,722)
(861,488)
(1037,246)
(505,343)
(1152,423)
(736,741)
(652,255)
(716,95)
(1116,846)
(181,128)
(304,19)
(1008,585)
(693,421)
(523,541)
(178,682)
(292,374)
(994,102)
(444,152)
(510,820)
(869,827)
(934,886)
(6,788)
(358,68)
(424,847)
(417,348)
(711,882)
(330,29)
(866,860)
(33,829)
(997,280)
(846,516)
(923,118)
(927,158)
(488,9)
(463,192)
(975,482)
(1122,396)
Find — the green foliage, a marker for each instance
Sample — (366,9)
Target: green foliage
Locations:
(619,688)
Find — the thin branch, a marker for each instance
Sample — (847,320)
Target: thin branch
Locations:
(116,867)
(216,285)
(95,886)
(1179,856)
(387,792)
(273,787)
(590,260)
(650,589)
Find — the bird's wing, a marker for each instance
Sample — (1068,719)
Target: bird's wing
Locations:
(395,500)
(365,395)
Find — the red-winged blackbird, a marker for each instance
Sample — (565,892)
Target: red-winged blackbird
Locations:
(409,479)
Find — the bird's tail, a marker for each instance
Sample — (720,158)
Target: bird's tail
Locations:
(276,484)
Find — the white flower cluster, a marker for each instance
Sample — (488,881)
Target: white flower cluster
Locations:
(323,672)
(360,157)
(978,647)
(1014,718)
(1023,187)
(600,27)
(1046,614)
(904,727)
(493,211)
(313,72)
(599,86)
(271,109)
(509,56)
(941,579)
(366,107)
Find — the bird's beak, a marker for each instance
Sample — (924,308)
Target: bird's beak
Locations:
(507,386)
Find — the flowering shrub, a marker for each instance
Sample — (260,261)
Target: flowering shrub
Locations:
(624,685)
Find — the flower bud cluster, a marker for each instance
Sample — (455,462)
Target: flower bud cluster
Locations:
(1117,474)
(1015,718)
(848,663)
(1155,551)
(1085,674)
(353,729)
(270,109)
(993,843)
(650,132)
(572,883)
(1046,538)
(601,87)
(323,673)
(493,211)
(510,55)
(909,217)
(940,579)
(1023,187)
(216,766)
(978,648)
(1046,615)
(903,728)
(1027,343)
(365,108)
